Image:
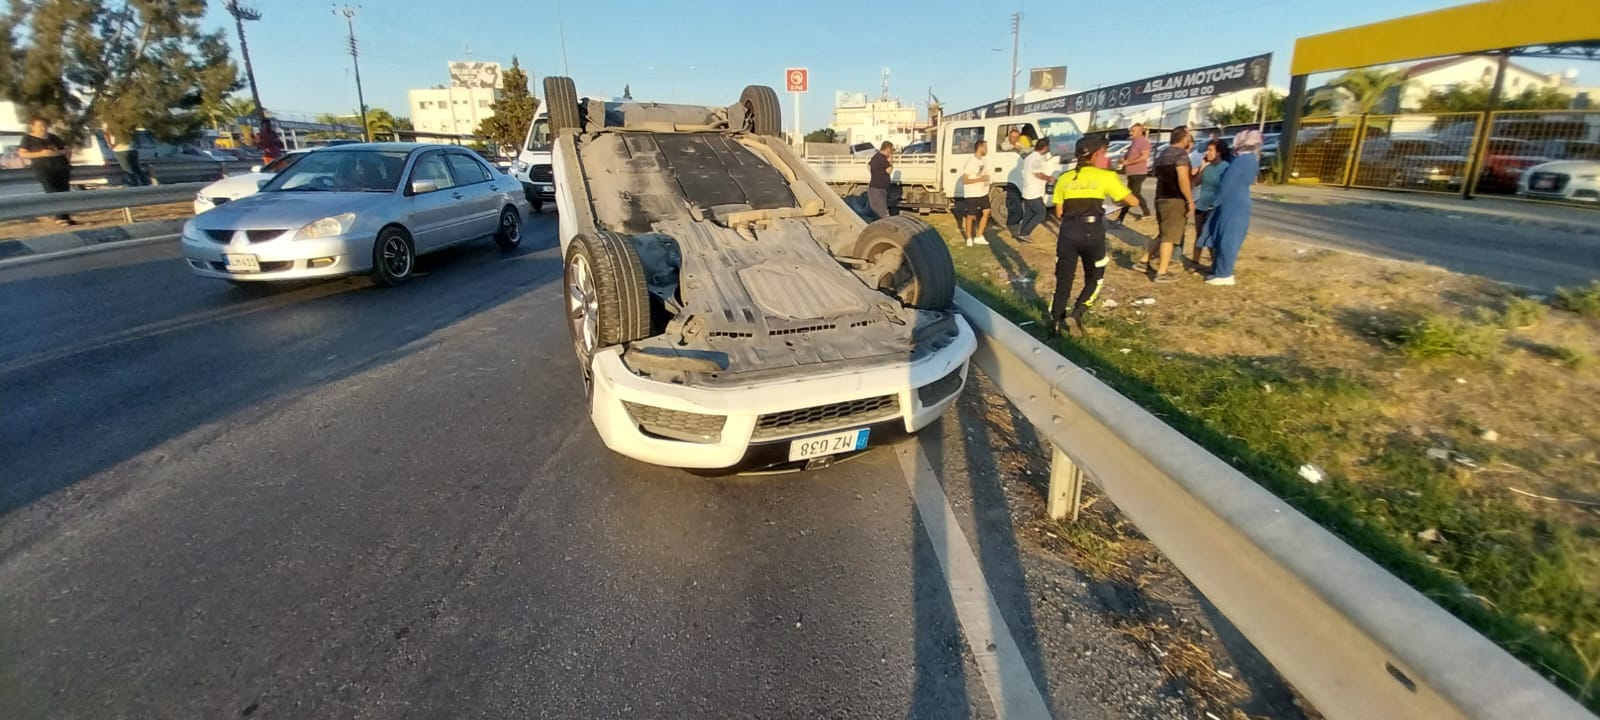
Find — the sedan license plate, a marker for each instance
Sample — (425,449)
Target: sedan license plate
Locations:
(242,263)
(545,188)
(832,444)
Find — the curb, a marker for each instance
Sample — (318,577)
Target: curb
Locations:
(62,242)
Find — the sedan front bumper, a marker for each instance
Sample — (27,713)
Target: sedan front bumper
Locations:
(278,257)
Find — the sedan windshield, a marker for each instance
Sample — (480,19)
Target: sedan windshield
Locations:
(342,171)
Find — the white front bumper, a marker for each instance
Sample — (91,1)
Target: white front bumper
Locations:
(743,406)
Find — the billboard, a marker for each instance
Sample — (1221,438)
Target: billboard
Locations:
(843,99)
(1191,84)
(473,74)
(1047,79)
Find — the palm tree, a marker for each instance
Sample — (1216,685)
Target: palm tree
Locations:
(1369,87)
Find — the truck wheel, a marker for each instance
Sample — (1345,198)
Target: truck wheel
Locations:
(999,211)
(762,115)
(562,99)
(608,302)
(925,276)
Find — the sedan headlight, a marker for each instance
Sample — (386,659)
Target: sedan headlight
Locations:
(1589,177)
(327,227)
(191,233)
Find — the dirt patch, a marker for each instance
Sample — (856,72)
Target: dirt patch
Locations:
(19,229)
(1452,425)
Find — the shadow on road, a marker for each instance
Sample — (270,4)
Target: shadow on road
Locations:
(111,354)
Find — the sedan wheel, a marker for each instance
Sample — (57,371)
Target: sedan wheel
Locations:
(583,312)
(509,234)
(393,258)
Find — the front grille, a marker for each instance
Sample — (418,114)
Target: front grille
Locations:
(263,235)
(541,173)
(221,236)
(826,417)
(1559,179)
(677,424)
(940,389)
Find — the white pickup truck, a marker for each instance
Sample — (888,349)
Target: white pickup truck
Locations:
(928,181)
(726,308)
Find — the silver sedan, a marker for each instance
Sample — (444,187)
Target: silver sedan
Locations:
(365,208)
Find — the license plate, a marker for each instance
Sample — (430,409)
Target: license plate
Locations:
(831,444)
(1544,183)
(242,263)
(545,188)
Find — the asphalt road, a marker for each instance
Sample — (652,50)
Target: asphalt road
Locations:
(334,500)
(1537,256)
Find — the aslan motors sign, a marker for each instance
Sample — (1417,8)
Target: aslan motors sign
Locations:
(1191,84)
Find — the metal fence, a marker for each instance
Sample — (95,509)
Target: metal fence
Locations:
(1501,153)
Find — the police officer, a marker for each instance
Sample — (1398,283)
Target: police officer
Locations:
(1079,199)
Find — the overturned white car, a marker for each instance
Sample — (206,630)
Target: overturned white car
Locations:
(726,308)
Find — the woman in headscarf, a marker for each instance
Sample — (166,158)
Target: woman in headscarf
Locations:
(1208,177)
(1229,218)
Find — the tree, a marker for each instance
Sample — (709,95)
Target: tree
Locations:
(128,64)
(825,135)
(228,110)
(1475,98)
(383,122)
(1237,115)
(1369,87)
(513,112)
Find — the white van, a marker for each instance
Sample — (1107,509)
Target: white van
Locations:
(532,168)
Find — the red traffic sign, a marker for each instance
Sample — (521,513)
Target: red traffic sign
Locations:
(797,79)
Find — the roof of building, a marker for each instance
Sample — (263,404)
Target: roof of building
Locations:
(1428,66)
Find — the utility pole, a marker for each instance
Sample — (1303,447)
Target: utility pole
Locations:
(349,14)
(1016,40)
(267,139)
(561,29)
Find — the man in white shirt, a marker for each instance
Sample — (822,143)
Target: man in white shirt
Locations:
(1034,178)
(972,196)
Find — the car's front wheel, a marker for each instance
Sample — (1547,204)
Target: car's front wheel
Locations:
(509,234)
(608,302)
(394,258)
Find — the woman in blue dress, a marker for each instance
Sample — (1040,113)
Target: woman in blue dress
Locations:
(1229,219)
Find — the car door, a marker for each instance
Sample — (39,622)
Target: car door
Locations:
(436,207)
(480,200)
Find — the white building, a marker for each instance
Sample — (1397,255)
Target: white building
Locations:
(1469,71)
(452,110)
(1195,114)
(858,120)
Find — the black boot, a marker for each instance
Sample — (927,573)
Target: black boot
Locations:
(1076,316)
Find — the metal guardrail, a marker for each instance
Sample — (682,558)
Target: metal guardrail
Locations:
(20,207)
(1355,640)
(165,172)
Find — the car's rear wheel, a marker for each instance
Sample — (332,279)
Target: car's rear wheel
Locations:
(999,211)
(915,263)
(509,234)
(762,115)
(562,98)
(608,302)
(394,258)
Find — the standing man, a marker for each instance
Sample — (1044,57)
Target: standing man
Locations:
(1079,197)
(1034,178)
(127,156)
(1174,205)
(974,195)
(1136,163)
(878,187)
(51,159)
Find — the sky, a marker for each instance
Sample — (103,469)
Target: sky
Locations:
(706,51)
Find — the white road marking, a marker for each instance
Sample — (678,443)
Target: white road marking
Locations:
(1005,675)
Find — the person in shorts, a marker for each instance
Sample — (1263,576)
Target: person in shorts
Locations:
(972,196)
(1174,205)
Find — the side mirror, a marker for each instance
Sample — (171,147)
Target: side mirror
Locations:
(255,168)
(419,187)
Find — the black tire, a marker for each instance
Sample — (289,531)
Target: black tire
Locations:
(927,276)
(999,211)
(394,257)
(562,98)
(762,115)
(508,234)
(616,297)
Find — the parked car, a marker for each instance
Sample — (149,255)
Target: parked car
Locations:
(234,187)
(1504,161)
(365,208)
(1562,180)
(921,147)
(1116,151)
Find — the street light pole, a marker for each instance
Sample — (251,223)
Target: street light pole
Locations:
(349,14)
(267,139)
(1016,39)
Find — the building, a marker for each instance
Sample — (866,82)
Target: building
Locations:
(461,107)
(859,120)
(1466,71)
(1196,114)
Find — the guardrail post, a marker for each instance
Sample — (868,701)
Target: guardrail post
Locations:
(1066,486)
(127,215)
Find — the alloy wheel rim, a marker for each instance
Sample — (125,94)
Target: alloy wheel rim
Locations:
(508,226)
(583,308)
(396,256)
